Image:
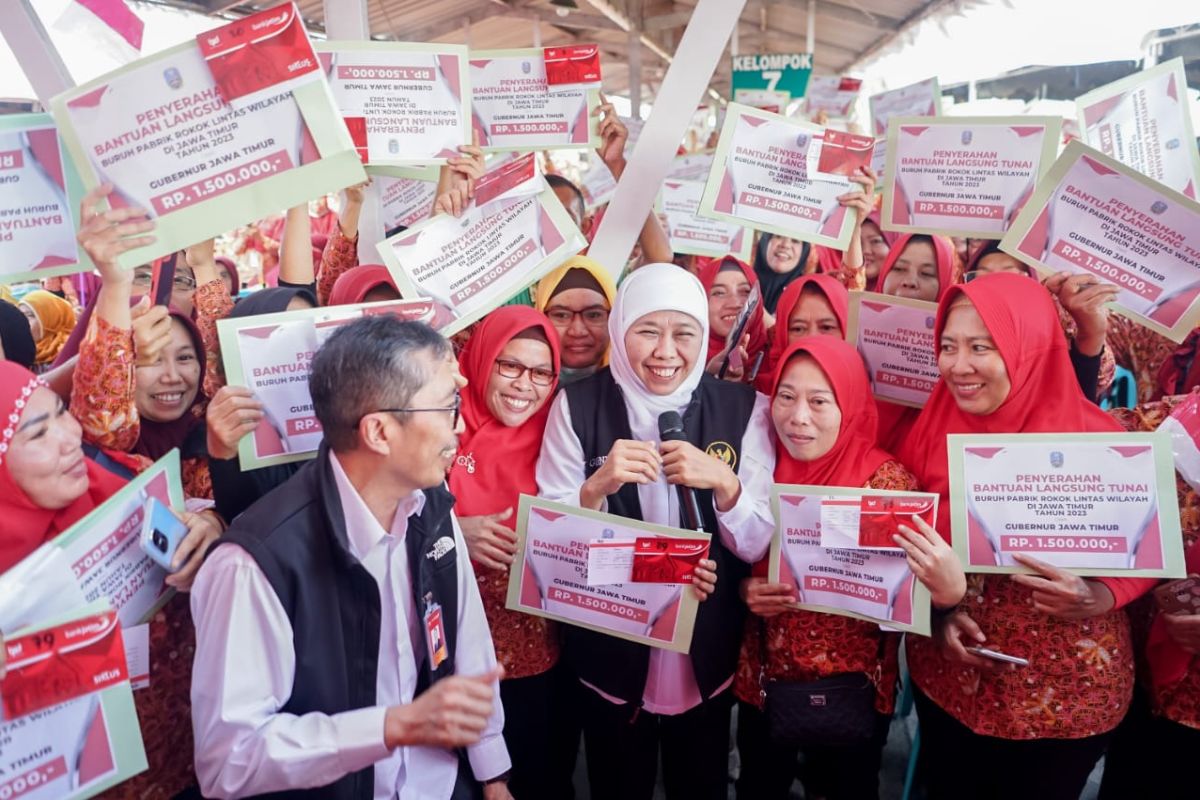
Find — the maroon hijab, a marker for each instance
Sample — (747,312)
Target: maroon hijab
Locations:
(156,439)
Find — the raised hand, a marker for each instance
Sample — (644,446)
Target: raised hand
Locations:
(106,235)
(613,137)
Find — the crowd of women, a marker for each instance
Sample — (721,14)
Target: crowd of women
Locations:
(562,401)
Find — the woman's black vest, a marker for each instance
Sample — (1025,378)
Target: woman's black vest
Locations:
(714,421)
(297,535)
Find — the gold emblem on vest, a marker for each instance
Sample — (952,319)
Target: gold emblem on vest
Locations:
(723,451)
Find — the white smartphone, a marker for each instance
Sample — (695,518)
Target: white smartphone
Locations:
(995,655)
(162,532)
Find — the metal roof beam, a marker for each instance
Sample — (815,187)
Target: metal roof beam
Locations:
(925,11)
(575,19)
(662,22)
(822,45)
(209,6)
(847,14)
(446,27)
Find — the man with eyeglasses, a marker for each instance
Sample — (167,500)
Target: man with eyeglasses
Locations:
(341,646)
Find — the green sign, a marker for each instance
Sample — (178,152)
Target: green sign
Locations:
(782,72)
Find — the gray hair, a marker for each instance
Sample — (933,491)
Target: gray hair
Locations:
(368,365)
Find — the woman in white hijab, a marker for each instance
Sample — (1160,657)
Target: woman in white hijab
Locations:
(602,452)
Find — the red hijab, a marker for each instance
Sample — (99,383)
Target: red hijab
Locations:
(354,284)
(839,300)
(854,458)
(502,460)
(235,282)
(876,219)
(24,526)
(709,269)
(1045,395)
(943,251)
(829,261)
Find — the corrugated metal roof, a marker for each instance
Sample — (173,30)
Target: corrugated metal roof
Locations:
(846,31)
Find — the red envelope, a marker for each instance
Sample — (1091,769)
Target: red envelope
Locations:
(504,177)
(843,153)
(663,559)
(258,51)
(879,517)
(576,64)
(59,664)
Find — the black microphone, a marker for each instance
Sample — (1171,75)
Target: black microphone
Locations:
(670,429)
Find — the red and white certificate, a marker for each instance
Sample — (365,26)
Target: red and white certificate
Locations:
(964,176)
(69,729)
(550,576)
(922,99)
(515,108)
(1093,503)
(691,167)
(1143,122)
(691,233)
(833,546)
(784,176)
(271,354)
(161,132)
(598,184)
(403,103)
(104,551)
(832,94)
(37,229)
(1093,215)
(405,201)
(514,231)
(894,335)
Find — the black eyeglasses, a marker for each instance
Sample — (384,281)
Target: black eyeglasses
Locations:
(456,409)
(593,316)
(144,278)
(515,369)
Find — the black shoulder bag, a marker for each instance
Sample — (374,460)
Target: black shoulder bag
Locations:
(838,710)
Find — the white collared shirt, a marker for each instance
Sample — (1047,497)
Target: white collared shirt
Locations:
(746,529)
(245,666)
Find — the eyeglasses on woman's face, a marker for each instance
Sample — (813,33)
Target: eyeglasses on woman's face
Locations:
(145,277)
(515,369)
(593,316)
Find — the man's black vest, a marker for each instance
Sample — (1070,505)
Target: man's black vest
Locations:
(714,421)
(297,535)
